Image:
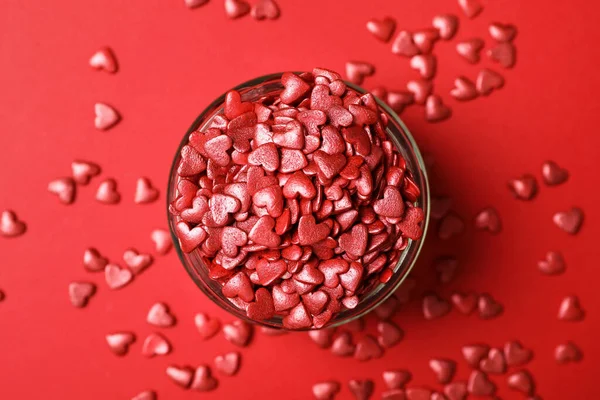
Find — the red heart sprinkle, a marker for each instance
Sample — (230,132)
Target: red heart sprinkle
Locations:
(367,348)
(265,9)
(329,164)
(189,239)
(83,171)
(231,239)
(145,395)
(494,363)
(351,279)
(425,64)
(155,345)
(229,363)
(216,149)
(488,307)
(221,205)
(382,29)
(435,109)
(263,307)
(93,261)
(471,8)
(195,3)
(395,394)
(570,309)
(470,49)
(420,89)
(443,369)
(236,8)
(203,380)
(80,293)
(266,156)
(299,184)
(282,300)
(361,389)
(456,391)
(425,39)
(399,100)
(207,326)
(388,308)
(446,268)
(159,315)
(356,71)
(291,138)
(106,116)
(450,226)
(521,381)
(196,213)
(107,192)
(64,188)
(135,261)
(396,379)
(554,264)
(502,32)
(567,353)
(464,89)
(295,88)
(489,220)
(403,45)
(480,385)
(262,232)
(298,318)
(119,342)
(117,277)
(342,346)
(322,337)
(240,286)
(309,232)
(553,174)
(355,242)
(504,54)
(410,226)
(389,334)
(192,162)
(473,354)
(325,390)
(446,24)
(569,221)
(162,241)
(292,160)
(391,205)
(315,302)
(515,354)
(104,59)
(523,188)
(487,81)
(238,333)
(465,304)
(434,307)
(181,376)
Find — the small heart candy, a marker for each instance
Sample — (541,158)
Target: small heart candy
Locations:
(391,205)
(83,171)
(566,353)
(396,379)
(382,29)
(367,348)
(107,192)
(403,45)
(417,393)
(465,304)
(216,149)
(425,64)
(464,89)
(145,395)
(189,239)
(203,380)
(361,389)
(389,334)
(236,8)
(117,277)
(480,385)
(504,54)
(299,184)
(155,345)
(516,355)
(355,241)
(229,363)
(425,39)
(162,241)
(295,88)
(434,307)
(502,32)
(298,318)
(181,376)
(135,261)
(207,326)
(266,156)
(282,300)
(570,309)
(388,308)
(443,369)
(436,110)
(488,81)
(489,220)
(93,260)
(262,232)
(396,394)
(322,337)
(446,24)
(80,293)
(119,342)
(238,333)
(240,286)
(195,3)
(192,162)
(569,221)
(342,346)
(291,138)
(470,49)
(265,9)
(325,390)
(421,90)
(521,381)
(159,315)
(554,264)
(471,8)
(456,391)
(399,100)
(356,71)
(473,354)
(410,225)
(553,174)
(106,116)
(309,232)
(523,188)
(488,307)
(262,308)
(104,59)
(494,363)
(64,188)
(315,302)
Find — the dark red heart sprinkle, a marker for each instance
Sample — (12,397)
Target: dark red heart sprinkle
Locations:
(554,264)
(570,309)
(145,395)
(388,308)
(104,59)
(117,277)
(434,307)
(425,64)
(83,171)
(494,363)
(470,49)
(473,354)
(522,382)
(504,54)
(488,81)
(515,354)
(322,337)
(456,391)
(480,385)
(135,261)
(396,379)
(523,188)
(553,174)
(443,369)
(155,345)
(10,225)
(107,192)
(262,308)
(356,71)
(445,268)
(389,334)
(394,394)
(265,9)
(236,8)
(488,307)
(446,24)
(465,304)
(162,241)
(488,219)
(382,29)
(238,333)
(567,353)
(471,8)
(502,32)
(569,221)
(404,46)
(159,315)
(228,364)
(207,326)
(93,260)
(464,89)
(106,116)
(425,39)
(361,389)
(80,293)
(203,380)
(64,189)
(435,109)
(325,390)
(119,342)
(342,346)
(367,348)
(421,90)
(182,376)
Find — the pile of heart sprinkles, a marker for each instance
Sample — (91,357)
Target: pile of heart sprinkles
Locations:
(298,203)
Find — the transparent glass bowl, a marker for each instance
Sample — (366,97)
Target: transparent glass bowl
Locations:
(401,137)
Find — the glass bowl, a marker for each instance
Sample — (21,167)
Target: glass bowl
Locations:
(265,85)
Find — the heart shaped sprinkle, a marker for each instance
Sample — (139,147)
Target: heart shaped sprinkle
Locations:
(145,192)
(396,379)
(446,24)
(425,64)
(361,389)
(189,239)
(382,29)
(522,382)
(355,241)
(435,109)
(155,345)
(488,81)
(104,59)
(456,391)
(464,89)
(404,46)
(470,49)
(207,326)
(106,116)
(117,277)
(325,390)
(515,354)
(322,337)
(399,100)
(504,54)
(182,376)
(523,188)
(494,363)
(471,8)
(159,315)
(239,285)
(262,232)
(145,395)
(567,353)
(389,334)
(480,385)
(229,363)
(238,333)
(367,348)
(569,221)
(388,308)
(420,89)
(309,232)
(502,32)
(342,346)
(107,192)
(93,260)
(80,293)
(295,88)
(10,225)
(195,3)
(265,9)
(553,174)
(162,241)
(473,354)
(488,307)
(434,307)
(262,308)
(356,71)
(64,189)
(203,380)
(119,342)
(236,8)
(554,264)
(464,303)
(266,156)
(488,219)
(135,261)
(570,309)
(425,39)
(394,394)
(83,171)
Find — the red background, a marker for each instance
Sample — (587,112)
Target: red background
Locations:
(173,62)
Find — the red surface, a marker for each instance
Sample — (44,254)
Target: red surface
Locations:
(173,61)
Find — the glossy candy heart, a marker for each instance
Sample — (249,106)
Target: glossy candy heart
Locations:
(104,59)
(182,376)
(434,307)
(465,304)
(502,32)
(195,3)
(569,221)
(567,353)
(521,381)
(135,261)
(162,241)
(471,8)
(488,81)
(494,363)
(504,54)
(159,315)
(473,354)
(64,189)
(464,89)
(119,342)
(117,277)
(553,174)
(203,380)
(488,219)
(265,9)
(229,363)
(93,260)
(446,24)
(325,390)
(403,45)
(145,395)
(342,346)
(488,307)
(515,354)
(420,89)
(106,116)
(570,309)
(456,391)
(523,188)
(155,345)
(396,379)
(443,369)
(107,192)
(470,49)
(80,293)
(425,64)
(389,334)
(356,71)
(382,29)
(367,348)
(361,389)
(83,171)
(554,264)
(236,8)
(425,39)
(436,110)
(238,333)
(480,385)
